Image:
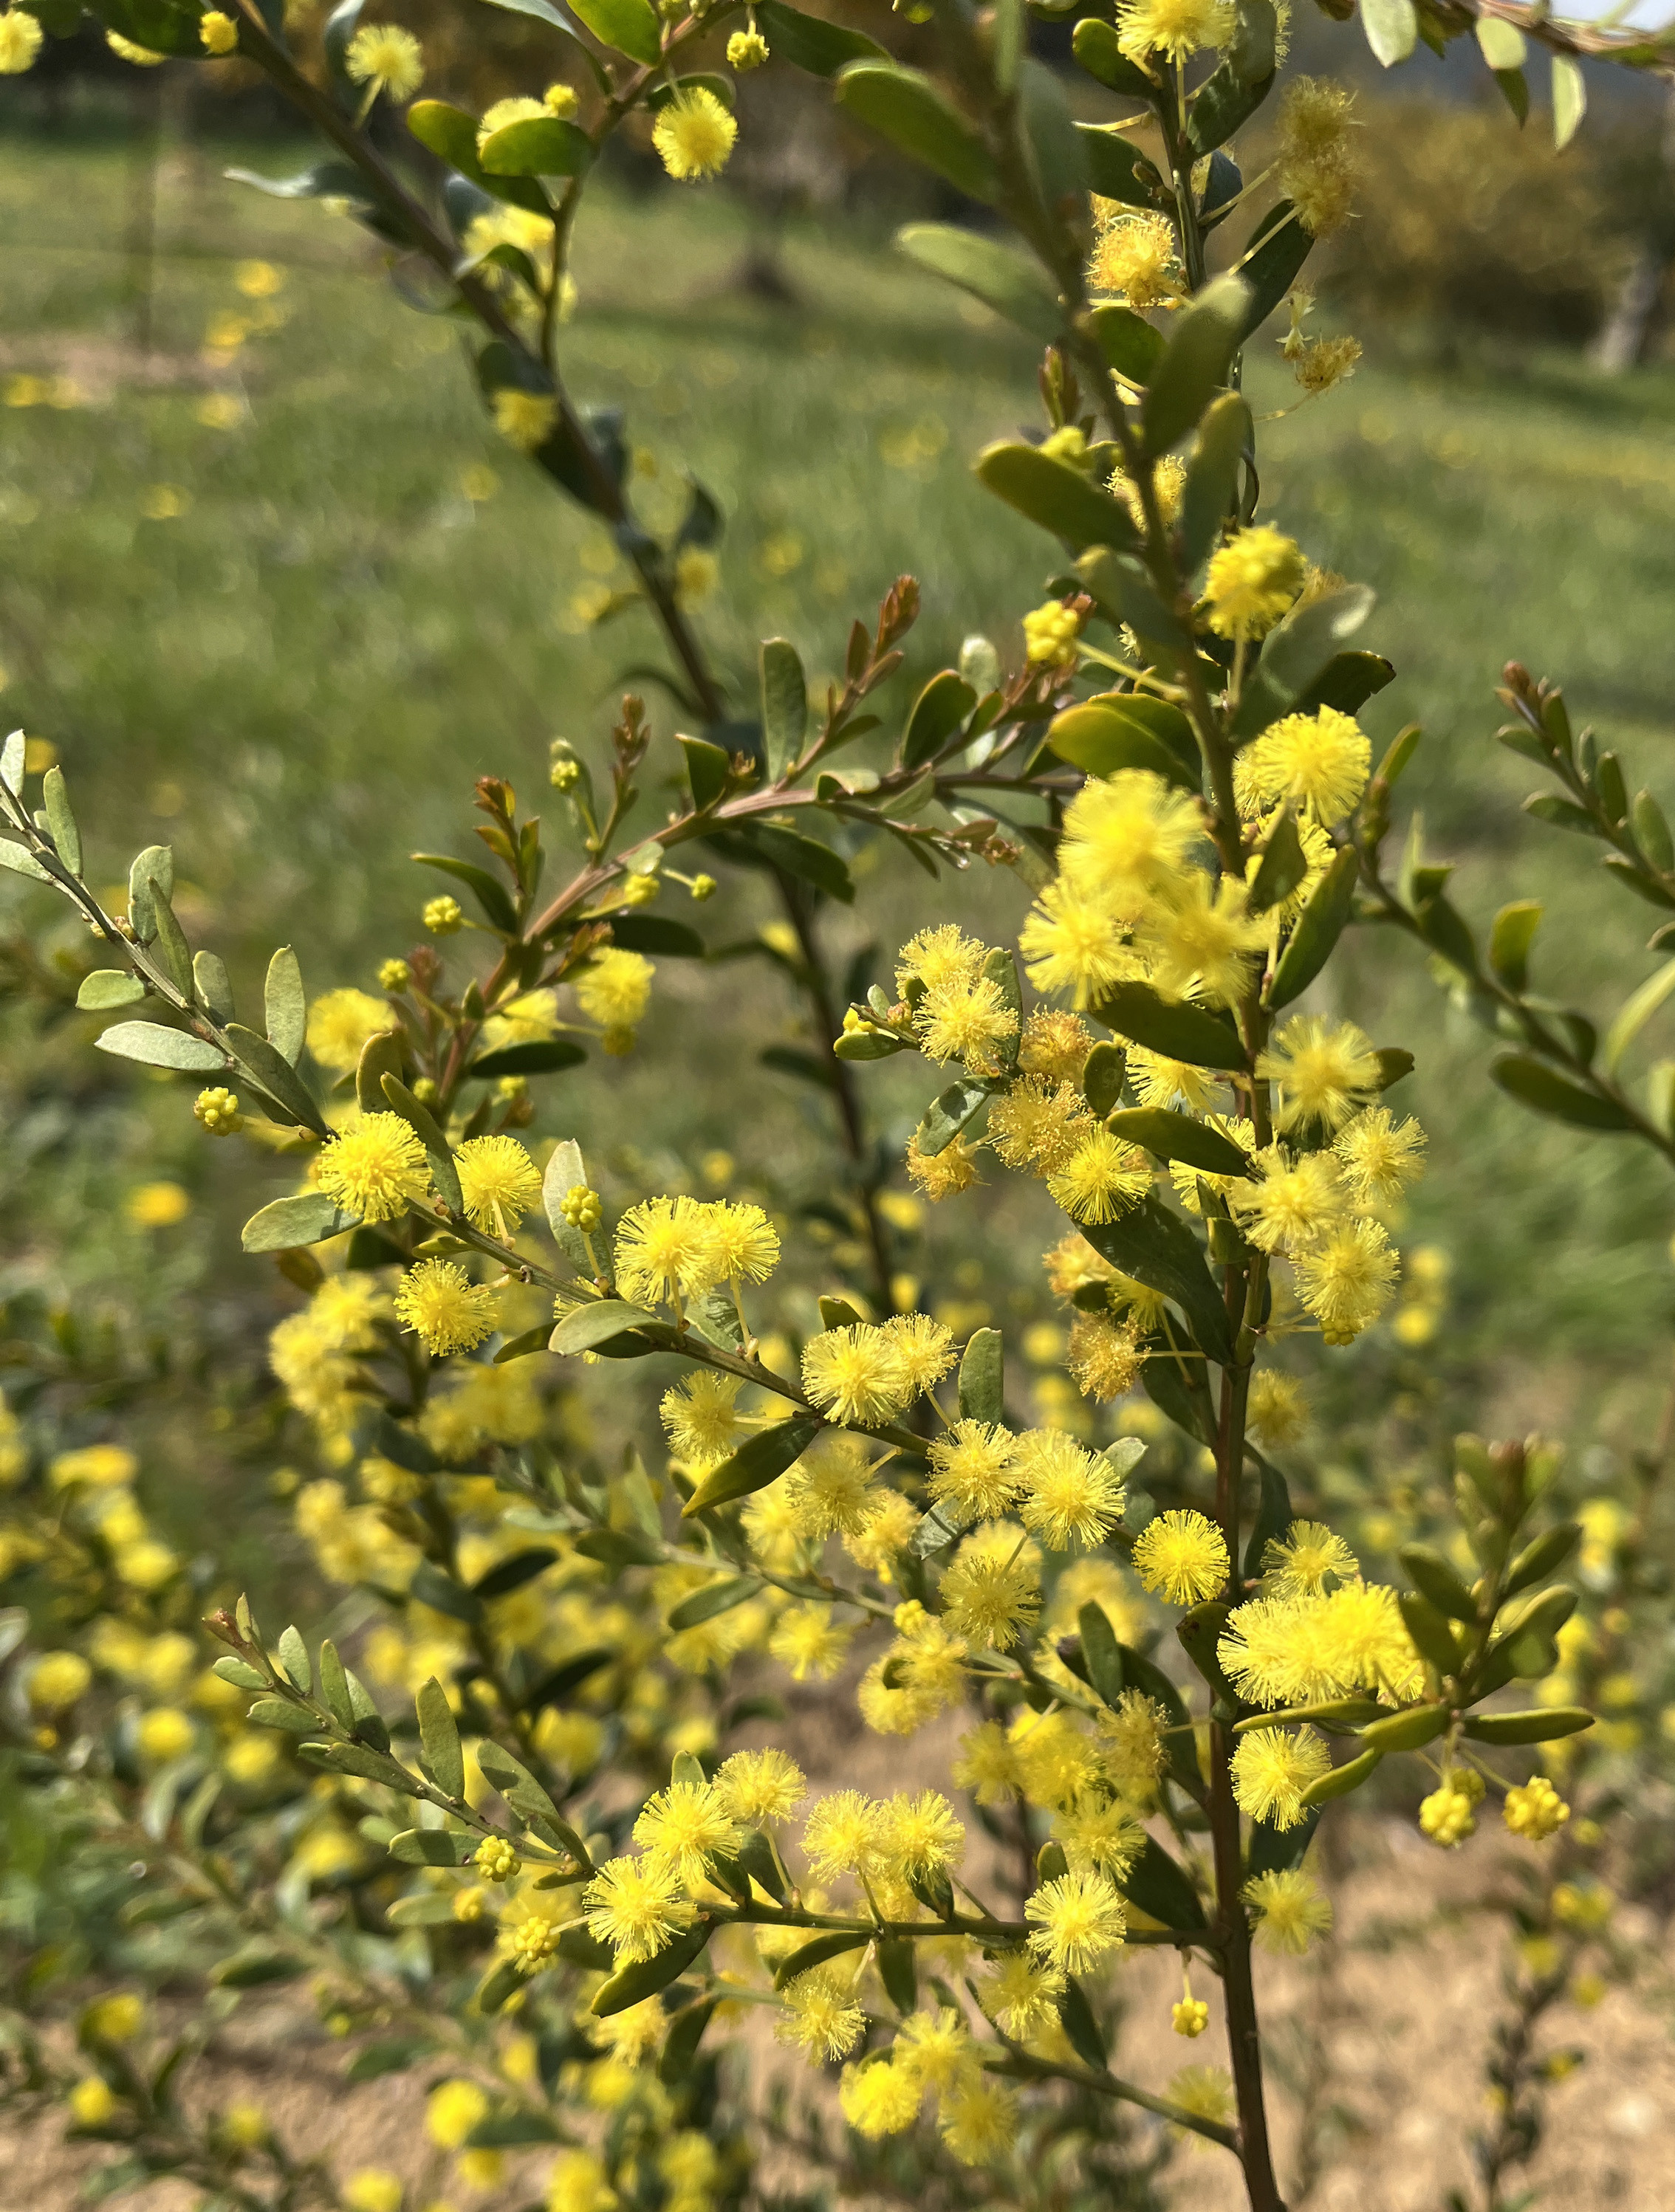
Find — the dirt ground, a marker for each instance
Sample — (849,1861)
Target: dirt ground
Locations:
(1377,2047)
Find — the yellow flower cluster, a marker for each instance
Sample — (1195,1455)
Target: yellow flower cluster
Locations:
(1316,166)
(1298,1649)
(962,1008)
(862,1376)
(668,1250)
(1134,259)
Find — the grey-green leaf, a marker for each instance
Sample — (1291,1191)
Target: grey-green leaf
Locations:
(784,704)
(440,1738)
(982,1378)
(157,1046)
(288,1223)
(106,988)
(60,820)
(285,1009)
(1014,286)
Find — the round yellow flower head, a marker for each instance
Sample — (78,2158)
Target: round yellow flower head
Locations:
(57,1679)
(498,1181)
(452,2111)
(115,2019)
(561,100)
(1050,636)
(92,2101)
(219,32)
(694,134)
(387,59)
(164,1734)
(1190,2017)
(1076,1920)
(339,1024)
(636,1906)
(445,1309)
(524,419)
(1251,580)
(1134,258)
(373,2189)
(1323,759)
(821,2018)
(21,35)
(1278,1410)
(1181,1556)
(881,2100)
(505,111)
(614,989)
(1272,1767)
(1446,1816)
(1174,28)
(442,916)
(761,1788)
(495,1859)
(374,1168)
(1104,1357)
(854,1374)
(1290,1911)
(1535,1810)
(746,50)
(217,1109)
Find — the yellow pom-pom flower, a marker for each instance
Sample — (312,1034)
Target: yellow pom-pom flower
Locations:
(1272,1767)
(1535,1810)
(444,1308)
(1070,1499)
(376,1168)
(855,1374)
(1325,1075)
(1101,1178)
(1190,2017)
(443,916)
(636,1906)
(219,32)
(57,1679)
(217,1109)
(1134,259)
(694,134)
(1323,759)
(821,2018)
(92,2101)
(387,59)
(452,2111)
(1252,581)
(971,1471)
(1306,1558)
(1289,1910)
(21,36)
(498,1181)
(746,50)
(1182,1556)
(1076,1920)
(339,1024)
(1379,1159)
(685,1828)
(614,989)
(1174,28)
(880,2099)
(761,1788)
(524,419)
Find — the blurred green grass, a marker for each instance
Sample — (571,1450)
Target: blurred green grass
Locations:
(288,643)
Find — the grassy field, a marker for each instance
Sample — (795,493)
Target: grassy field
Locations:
(277,593)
